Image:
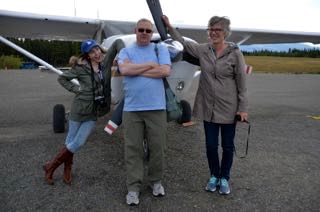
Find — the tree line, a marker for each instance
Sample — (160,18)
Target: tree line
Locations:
(58,53)
(312,53)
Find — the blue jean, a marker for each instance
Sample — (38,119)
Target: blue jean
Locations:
(212,143)
(78,134)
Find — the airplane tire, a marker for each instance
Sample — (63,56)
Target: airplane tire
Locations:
(58,118)
(186,112)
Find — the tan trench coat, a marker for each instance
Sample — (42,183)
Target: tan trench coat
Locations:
(222,87)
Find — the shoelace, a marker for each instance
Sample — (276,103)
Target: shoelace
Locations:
(132,195)
(224,182)
(213,179)
(157,186)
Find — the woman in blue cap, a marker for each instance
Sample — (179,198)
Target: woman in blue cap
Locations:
(91,97)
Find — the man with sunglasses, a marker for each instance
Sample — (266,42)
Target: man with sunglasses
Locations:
(143,66)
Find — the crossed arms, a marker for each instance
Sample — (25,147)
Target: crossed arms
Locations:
(149,69)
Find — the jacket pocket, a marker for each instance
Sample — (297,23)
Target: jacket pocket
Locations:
(82,107)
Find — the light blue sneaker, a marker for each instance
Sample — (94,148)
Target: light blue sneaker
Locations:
(224,186)
(212,184)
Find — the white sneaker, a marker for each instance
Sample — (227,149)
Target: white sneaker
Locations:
(132,198)
(158,190)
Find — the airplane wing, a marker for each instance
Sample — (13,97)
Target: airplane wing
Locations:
(48,27)
(36,26)
(252,36)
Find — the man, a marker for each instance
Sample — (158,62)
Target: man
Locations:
(143,66)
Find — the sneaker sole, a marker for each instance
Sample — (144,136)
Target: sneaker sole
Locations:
(224,193)
(158,195)
(133,204)
(210,190)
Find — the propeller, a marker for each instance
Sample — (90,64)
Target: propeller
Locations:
(156,11)
(175,48)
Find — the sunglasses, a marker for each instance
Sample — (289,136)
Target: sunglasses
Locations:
(142,30)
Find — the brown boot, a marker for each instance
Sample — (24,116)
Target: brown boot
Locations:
(52,165)
(67,169)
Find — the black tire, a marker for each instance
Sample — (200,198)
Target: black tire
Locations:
(58,118)
(186,112)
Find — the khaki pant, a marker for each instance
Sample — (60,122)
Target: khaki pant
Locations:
(153,126)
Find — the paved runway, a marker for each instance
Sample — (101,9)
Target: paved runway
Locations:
(281,172)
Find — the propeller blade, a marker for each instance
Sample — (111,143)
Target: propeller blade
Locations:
(156,11)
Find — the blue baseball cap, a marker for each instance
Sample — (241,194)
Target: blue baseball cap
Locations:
(87,45)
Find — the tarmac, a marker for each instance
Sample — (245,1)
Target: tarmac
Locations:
(280,173)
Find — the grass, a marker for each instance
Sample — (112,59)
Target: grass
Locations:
(294,65)
(269,64)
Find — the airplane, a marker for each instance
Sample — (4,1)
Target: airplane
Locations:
(185,71)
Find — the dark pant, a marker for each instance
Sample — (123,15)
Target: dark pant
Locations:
(151,125)
(212,143)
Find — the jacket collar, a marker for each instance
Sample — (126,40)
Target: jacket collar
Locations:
(230,47)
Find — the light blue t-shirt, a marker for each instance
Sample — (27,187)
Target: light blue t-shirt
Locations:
(144,93)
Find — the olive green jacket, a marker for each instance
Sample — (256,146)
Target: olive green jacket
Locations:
(222,87)
(83,107)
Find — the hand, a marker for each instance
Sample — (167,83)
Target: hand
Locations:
(126,61)
(166,21)
(152,65)
(243,115)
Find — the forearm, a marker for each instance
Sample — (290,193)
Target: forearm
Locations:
(171,30)
(242,92)
(68,85)
(241,83)
(131,69)
(189,47)
(158,72)
(175,34)
(65,80)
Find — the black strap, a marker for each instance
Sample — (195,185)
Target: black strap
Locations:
(93,88)
(92,78)
(247,143)
(101,82)
(165,82)
(157,51)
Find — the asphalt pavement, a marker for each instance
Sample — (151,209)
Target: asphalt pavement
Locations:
(280,173)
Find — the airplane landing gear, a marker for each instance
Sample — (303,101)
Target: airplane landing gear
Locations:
(186,112)
(59,118)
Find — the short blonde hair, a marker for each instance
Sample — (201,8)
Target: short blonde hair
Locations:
(144,20)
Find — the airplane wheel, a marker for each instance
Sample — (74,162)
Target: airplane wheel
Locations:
(58,118)
(186,112)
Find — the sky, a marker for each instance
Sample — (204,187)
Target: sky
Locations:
(289,15)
